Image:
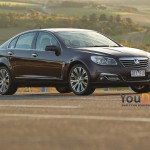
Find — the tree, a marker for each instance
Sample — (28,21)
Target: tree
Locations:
(93,18)
(118,18)
(102,17)
(129,20)
(111,18)
(84,19)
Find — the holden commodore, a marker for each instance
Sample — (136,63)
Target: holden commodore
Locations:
(72,60)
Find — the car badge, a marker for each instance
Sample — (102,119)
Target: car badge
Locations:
(136,61)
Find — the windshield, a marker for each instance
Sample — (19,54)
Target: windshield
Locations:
(78,39)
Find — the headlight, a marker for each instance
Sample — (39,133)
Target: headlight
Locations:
(103,60)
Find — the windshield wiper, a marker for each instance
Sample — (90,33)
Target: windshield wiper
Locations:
(104,46)
(99,46)
(115,46)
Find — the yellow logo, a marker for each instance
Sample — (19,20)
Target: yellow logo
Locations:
(145,98)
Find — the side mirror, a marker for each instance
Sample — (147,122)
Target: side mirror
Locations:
(53,48)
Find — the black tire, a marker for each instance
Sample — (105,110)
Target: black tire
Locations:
(141,89)
(7,85)
(63,89)
(79,80)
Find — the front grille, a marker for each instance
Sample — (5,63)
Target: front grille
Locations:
(134,62)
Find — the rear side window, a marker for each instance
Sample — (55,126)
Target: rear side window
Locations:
(25,41)
(13,43)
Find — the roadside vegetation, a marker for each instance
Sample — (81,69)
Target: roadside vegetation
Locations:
(21,15)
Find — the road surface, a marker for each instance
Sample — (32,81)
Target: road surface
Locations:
(38,121)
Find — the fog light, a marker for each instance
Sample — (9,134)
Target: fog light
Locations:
(113,78)
(102,78)
(109,76)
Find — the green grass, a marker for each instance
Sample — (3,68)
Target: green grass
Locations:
(10,3)
(146,39)
(6,10)
(9,6)
(142,16)
(139,17)
(119,38)
(79,11)
(7,33)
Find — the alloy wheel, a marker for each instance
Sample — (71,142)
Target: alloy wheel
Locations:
(79,79)
(4,80)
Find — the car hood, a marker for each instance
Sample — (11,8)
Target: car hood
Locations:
(115,51)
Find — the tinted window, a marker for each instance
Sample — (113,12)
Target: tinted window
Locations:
(13,43)
(45,39)
(25,41)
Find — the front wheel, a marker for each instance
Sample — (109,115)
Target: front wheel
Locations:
(79,80)
(7,86)
(141,88)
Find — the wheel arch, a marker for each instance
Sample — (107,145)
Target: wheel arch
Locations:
(75,63)
(5,62)
(87,89)
(4,65)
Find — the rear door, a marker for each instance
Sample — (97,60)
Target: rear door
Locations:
(19,52)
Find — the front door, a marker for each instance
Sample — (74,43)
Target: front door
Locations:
(45,64)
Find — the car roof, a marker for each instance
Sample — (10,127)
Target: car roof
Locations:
(65,29)
(60,30)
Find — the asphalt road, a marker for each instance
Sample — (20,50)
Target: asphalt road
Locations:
(67,122)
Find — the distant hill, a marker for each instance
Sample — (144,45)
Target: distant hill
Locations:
(135,2)
(26,1)
(127,2)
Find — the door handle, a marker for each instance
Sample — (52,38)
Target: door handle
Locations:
(34,55)
(10,53)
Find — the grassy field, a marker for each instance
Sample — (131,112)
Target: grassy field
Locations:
(23,2)
(79,11)
(9,6)
(145,39)
(10,3)
(6,33)
(142,16)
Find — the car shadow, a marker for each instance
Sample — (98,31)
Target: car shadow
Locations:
(57,96)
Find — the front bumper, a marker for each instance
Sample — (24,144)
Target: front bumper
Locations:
(118,76)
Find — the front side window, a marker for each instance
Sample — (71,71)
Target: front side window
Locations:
(25,41)
(45,39)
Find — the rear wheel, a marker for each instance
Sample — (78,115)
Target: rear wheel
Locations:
(63,89)
(79,80)
(7,86)
(141,88)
